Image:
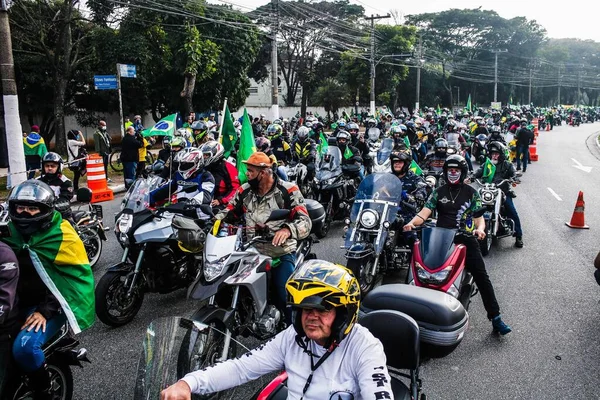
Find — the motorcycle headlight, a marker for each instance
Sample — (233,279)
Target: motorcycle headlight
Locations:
(214,269)
(432,278)
(124,223)
(487,196)
(369,219)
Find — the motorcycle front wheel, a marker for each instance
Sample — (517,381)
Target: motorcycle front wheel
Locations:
(93,245)
(359,267)
(486,244)
(113,306)
(61,379)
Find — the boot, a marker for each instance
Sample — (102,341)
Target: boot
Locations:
(519,242)
(499,326)
(41,384)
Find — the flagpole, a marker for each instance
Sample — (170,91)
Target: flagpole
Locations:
(221,125)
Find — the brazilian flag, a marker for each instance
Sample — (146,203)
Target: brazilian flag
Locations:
(59,258)
(414,167)
(34,145)
(489,170)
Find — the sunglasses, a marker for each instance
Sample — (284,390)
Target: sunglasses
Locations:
(21,208)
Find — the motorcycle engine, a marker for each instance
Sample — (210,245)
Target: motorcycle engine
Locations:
(266,325)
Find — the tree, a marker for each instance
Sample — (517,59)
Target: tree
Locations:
(331,95)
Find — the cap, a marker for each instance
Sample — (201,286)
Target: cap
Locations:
(35,128)
(212,114)
(259,159)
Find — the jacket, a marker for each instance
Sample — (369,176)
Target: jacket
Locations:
(101,142)
(524,137)
(304,152)
(202,195)
(227,181)
(129,148)
(504,170)
(63,190)
(9,279)
(246,204)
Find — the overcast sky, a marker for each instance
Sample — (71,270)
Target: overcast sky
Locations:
(562,19)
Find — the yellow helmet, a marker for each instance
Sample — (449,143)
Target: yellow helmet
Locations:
(324,285)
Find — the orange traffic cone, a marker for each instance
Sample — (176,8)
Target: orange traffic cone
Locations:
(578,219)
(547,127)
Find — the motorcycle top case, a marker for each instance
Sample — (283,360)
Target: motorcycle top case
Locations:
(316,212)
(441,318)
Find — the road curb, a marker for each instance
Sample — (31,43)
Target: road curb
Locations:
(117,188)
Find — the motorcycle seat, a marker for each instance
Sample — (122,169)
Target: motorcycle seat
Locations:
(316,212)
(77,215)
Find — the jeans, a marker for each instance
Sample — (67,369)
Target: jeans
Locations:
(129,172)
(280,275)
(105,161)
(511,212)
(282,174)
(27,347)
(31,167)
(76,176)
(522,149)
(468,160)
(476,266)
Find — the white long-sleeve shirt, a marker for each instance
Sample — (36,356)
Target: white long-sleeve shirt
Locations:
(357,365)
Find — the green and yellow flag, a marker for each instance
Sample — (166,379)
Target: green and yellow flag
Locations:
(59,258)
(407,142)
(489,170)
(34,145)
(414,167)
(228,135)
(348,153)
(247,147)
(468,107)
(164,127)
(323,146)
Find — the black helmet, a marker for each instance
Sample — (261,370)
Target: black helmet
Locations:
(401,156)
(55,158)
(34,193)
(440,147)
(497,147)
(456,161)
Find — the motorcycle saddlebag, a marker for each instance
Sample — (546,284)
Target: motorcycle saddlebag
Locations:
(316,212)
(442,319)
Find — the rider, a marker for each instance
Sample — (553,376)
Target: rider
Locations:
(59,183)
(359,142)
(225,174)
(481,128)
(504,170)
(345,358)
(201,134)
(254,201)
(435,162)
(177,144)
(414,188)
(281,148)
(56,284)
(496,135)
(9,278)
(304,150)
(455,203)
(350,154)
(398,133)
(190,172)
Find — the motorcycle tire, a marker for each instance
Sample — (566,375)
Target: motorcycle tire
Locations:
(93,245)
(322,233)
(111,288)
(366,282)
(486,244)
(61,377)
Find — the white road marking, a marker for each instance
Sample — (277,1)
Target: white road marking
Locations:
(555,194)
(581,167)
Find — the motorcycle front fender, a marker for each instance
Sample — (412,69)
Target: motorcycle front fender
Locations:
(359,250)
(212,312)
(121,267)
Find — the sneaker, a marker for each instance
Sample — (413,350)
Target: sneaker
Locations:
(109,180)
(518,168)
(519,242)
(500,327)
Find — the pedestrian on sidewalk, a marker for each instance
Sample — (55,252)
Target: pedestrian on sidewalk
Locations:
(102,145)
(35,149)
(130,155)
(76,151)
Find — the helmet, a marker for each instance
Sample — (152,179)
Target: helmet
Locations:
(166,142)
(236,124)
(277,121)
(323,285)
(401,156)
(396,129)
(410,124)
(302,133)
(497,147)
(182,132)
(341,123)
(274,131)
(55,158)
(440,146)
(33,193)
(496,129)
(373,135)
(178,141)
(456,161)
(263,144)
(212,151)
(190,162)
(200,129)
(371,122)
(352,127)
(451,125)
(308,124)
(343,135)
(523,120)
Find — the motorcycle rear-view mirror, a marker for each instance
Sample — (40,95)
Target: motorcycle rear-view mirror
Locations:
(84,195)
(278,215)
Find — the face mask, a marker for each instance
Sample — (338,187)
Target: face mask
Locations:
(254,182)
(453,177)
(495,162)
(103,128)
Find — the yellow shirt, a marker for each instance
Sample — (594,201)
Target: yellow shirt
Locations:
(142,151)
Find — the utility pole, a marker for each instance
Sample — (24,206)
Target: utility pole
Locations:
(274,69)
(12,121)
(579,85)
(496,73)
(418,94)
(530,79)
(559,83)
(372,18)
(458,98)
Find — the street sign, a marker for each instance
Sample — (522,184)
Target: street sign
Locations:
(105,82)
(127,71)
(496,105)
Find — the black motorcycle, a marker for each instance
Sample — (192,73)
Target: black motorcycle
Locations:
(152,261)
(89,227)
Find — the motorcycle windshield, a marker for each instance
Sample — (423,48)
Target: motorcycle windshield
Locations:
(137,197)
(436,246)
(175,346)
(329,164)
(452,139)
(383,154)
(381,193)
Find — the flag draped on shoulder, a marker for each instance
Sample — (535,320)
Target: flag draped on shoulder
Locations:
(164,127)
(229,134)
(34,145)
(59,258)
(247,147)
(489,170)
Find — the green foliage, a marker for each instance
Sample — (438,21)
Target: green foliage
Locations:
(199,53)
(331,95)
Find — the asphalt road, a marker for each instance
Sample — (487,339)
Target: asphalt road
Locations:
(546,291)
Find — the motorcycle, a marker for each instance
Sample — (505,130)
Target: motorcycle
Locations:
(382,160)
(297,172)
(332,188)
(370,239)
(152,260)
(60,354)
(479,148)
(89,227)
(497,225)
